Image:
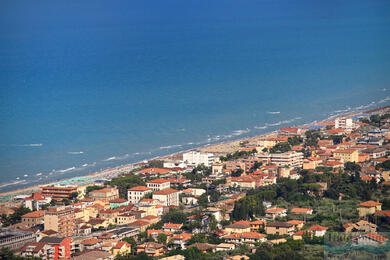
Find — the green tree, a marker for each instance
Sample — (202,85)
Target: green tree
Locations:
(162,238)
(174,216)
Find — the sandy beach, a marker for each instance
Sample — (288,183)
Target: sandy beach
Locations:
(218,148)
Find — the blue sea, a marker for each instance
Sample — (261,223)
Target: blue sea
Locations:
(87,85)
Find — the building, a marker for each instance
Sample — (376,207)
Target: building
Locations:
(244,182)
(135,194)
(106,194)
(172,227)
(35,201)
(347,155)
(368,208)
(151,249)
(158,184)
(194,158)
(276,212)
(33,218)
(238,227)
(344,123)
(60,247)
(279,228)
(116,203)
(121,248)
(372,239)
(15,239)
(58,192)
(301,211)
(290,159)
(318,231)
(35,249)
(60,219)
(167,197)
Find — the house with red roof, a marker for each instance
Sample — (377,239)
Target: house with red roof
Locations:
(36,201)
(121,248)
(276,212)
(318,231)
(308,211)
(172,227)
(368,208)
(372,239)
(180,240)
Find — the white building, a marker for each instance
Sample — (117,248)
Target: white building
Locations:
(167,197)
(135,194)
(158,184)
(197,158)
(344,123)
(291,158)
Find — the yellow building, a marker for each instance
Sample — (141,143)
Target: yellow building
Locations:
(347,155)
(110,215)
(121,248)
(149,209)
(368,208)
(238,227)
(279,228)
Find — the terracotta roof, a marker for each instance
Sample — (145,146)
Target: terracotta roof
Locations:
(383,212)
(158,181)
(275,210)
(257,222)
(87,200)
(300,210)
(118,200)
(165,191)
(49,232)
(139,188)
(34,214)
(349,151)
(295,222)
(317,228)
(155,170)
(182,236)
(37,246)
(120,244)
(202,246)
(91,241)
(172,225)
(139,223)
(369,204)
(35,196)
(252,235)
(376,237)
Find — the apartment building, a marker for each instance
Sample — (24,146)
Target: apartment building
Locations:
(194,158)
(158,184)
(291,159)
(58,192)
(167,197)
(135,194)
(347,155)
(61,220)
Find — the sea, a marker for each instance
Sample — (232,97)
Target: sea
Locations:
(89,85)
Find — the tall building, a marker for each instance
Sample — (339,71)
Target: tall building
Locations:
(344,123)
(61,220)
(197,158)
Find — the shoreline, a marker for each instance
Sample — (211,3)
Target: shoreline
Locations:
(234,144)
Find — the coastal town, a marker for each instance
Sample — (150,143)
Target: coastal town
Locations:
(301,192)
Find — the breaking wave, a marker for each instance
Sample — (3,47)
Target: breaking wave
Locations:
(273,112)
